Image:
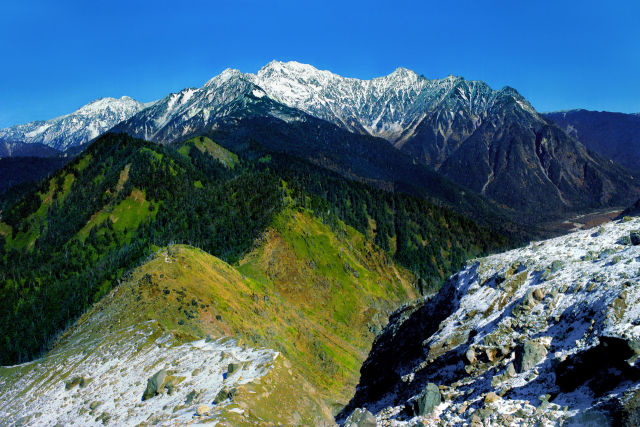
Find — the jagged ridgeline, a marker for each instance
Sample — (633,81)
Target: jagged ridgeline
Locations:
(69,242)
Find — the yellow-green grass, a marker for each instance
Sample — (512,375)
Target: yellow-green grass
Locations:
(126,215)
(191,294)
(83,162)
(5,230)
(310,293)
(26,239)
(339,287)
(206,145)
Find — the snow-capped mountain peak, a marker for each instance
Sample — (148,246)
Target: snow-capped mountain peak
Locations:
(225,76)
(390,106)
(79,127)
(402,72)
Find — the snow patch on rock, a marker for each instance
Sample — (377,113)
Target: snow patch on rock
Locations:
(105,380)
(543,334)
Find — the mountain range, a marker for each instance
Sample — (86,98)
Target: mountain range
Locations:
(491,142)
(293,247)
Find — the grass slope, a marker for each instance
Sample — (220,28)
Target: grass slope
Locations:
(314,295)
(206,145)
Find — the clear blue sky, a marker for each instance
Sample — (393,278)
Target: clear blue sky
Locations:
(58,55)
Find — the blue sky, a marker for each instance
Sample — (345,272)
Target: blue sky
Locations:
(57,56)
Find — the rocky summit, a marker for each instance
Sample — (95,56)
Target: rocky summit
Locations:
(547,334)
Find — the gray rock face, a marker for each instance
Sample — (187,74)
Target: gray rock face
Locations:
(155,384)
(528,355)
(575,350)
(426,401)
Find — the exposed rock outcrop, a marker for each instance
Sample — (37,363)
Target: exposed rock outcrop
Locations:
(546,334)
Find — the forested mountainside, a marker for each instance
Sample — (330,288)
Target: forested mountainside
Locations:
(68,242)
(21,149)
(27,170)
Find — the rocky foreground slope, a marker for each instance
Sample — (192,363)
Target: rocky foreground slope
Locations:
(548,334)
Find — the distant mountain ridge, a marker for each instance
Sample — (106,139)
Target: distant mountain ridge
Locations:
(490,141)
(75,128)
(493,142)
(614,135)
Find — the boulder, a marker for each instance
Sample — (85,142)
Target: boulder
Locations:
(360,417)
(224,395)
(426,401)
(491,397)
(476,421)
(155,384)
(77,381)
(556,266)
(634,236)
(528,355)
(231,368)
(538,294)
(191,397)
(491,354)
(470,355)
(203,410)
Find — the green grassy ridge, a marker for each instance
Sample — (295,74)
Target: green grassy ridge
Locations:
(321,318)
(430,240)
